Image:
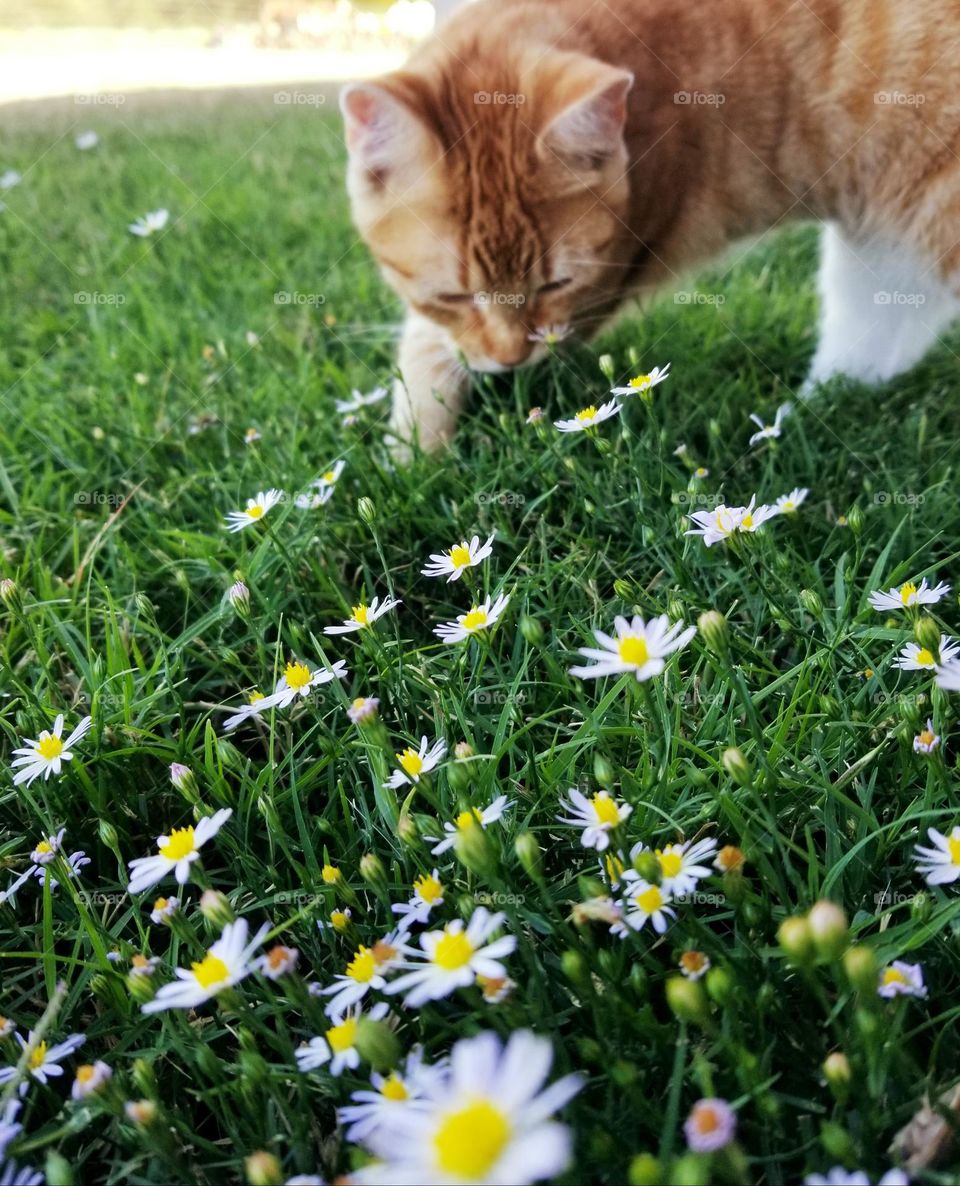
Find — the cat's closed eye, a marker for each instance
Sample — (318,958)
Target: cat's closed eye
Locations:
(456,298)
(554,285)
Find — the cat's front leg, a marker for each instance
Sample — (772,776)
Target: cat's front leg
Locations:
(429,395)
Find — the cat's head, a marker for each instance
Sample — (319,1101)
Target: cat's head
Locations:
(493,212)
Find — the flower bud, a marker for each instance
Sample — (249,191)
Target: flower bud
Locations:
(531,630)
(862,970)
(473,849)
(687,1000)
(239,597)
(575,969)
(736,765)
(378,1044)
(263,1169)
(143,1077)
(142,1113)
(10,595)
(811,602)
(144,605)
(183,779)
(676,610)
(108,834)
(602,771)
(58,1171)
(730,859)
(528,853)
(216,909)
(605,363)
(407,829)
(647,865)
(829,928)
(796,940)
(720,986)
(367,510)
(625,590)
(855,520)
(714,631)
(331,875)
(836,1143)
(645,1170)
(372,870)
(927,633)
(836,1071)
(141,988)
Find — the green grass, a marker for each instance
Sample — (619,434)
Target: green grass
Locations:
(123,615)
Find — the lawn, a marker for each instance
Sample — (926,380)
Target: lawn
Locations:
(131,371)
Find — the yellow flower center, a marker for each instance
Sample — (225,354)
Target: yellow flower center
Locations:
(330,874)
(297,676)
(925,658)
(606,809)
(383,952)
(705,1120)
(140,961)
(471,1140)
(49,747)
(210,971)
(907,592)
(255,512)
(466,819)
(460,556)
(38,1057)
(453,951)
(342,1037)
(587,413)
(278,957)
(85,1073)
(363,966)
(429,888)
(953,846)
(746,522)
(670,860)
(255,697)
(634,650)
(361,615)
(476,619)
(44,848)
(411,761)
(160,904)
(394,1089)
(651,900)
(180,844)
(329,476)
(639,382)
(339,920)
(693,961)
(788,505)
(893,976)
(613,866)
(926,737)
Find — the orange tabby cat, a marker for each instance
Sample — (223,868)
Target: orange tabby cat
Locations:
(539,161)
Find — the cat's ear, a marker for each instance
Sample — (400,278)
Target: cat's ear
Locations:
(384,135)
(589,114)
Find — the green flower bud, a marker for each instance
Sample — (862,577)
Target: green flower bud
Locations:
(861,969)
(624,1073)
(811,602)
(829,929)
(141,988)
(472,848)
(796,940)
(714,631)
(736,765)
(239,597)
(855,520)
(254,1068)
(591,1051)
(108,834)
(407,829)
(216,909)
(625,590)
(263,1169)
(720,986)
(603,771)
(605,363)
(675,609)
(58,1170)
(836,1071)
(143,1077)
(575,968)
(532,630)
(10,595)
(921,907)
(645,1170)
(927,633)
(830,706)
(372,870)
(836,1143)
(378,1044)
(687,1000)
(528,853)
(690,1170)
(367,510)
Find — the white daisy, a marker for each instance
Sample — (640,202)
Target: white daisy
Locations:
(298,681)
(164,909)
(427,893)
(46,755)
(469,819)
(414,764)
(278,961)
(452,958)
(372,1109)
(363,708)
(535,415)
(772,430)
(643,382)
(487,1118)
(43,1061)
(643,901)
(255,510)
(680,867)
(550,335)
(151,222)
(364,615)
(589,417)
(227,962)
(914,657)
(86,140)
(940,865)
(358,400)
(329,478)
(926,741)
(715,526)
(454,564)
(786,504)
(176,852)
(948,677)
(257,704)
(901,980)
(640,647)
(909,595)
(314,499)
(338,1045)
(89,1079)
(754,516)
(597,816)
(365,972)
(694,965)
(480,617)
(252,435)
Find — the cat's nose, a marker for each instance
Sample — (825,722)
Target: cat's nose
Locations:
(513,355)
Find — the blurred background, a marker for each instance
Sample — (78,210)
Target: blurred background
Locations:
(51,48)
